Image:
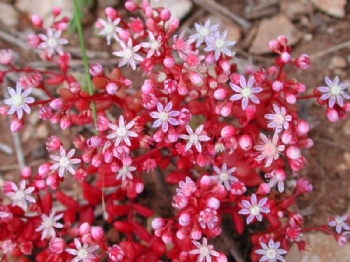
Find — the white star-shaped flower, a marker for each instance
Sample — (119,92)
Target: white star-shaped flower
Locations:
(165,116)
(194,138)
(204,251)
(271,253)
(19,101)
(52,42)
(219,44)
(269,149)
(21,195)
(65,162)
(48,224)
(334,91)
(279,119)
(122,132)
(254,208)
(82,253)
(224,176)
(109,28)
(128,54)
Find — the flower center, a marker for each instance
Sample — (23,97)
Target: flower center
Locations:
(204,32)
(246,92)
(20,195)
(269,150)
(204,251)
(128,53)
(223,176)
(278,119)
(83,253)
(335,90)
(52,42)
(219,43)
(109,29)
(271,253)
(161,77)
(64,161)
(155,45)
(17,100)
(254,210)
(124,170)
(163,116)
(48,223)
(194,138)
(121,132)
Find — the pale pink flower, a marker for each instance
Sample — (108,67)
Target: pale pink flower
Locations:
(339,222)
(224,176)
(334,91)
(6,56)
(48,224)
(122,132)
(19,101)
(271,253)
(186,188)
(245,91)
(208,218)
(277,176)
(269,150)
(193,59)
(254,208)
(202,32)
(65,162)
(154,44)
(181,45)
(194,138)
(204,251)
(279,119)
(52,42)
(219,44)
(125,172)
(82,253)
(128,54)
(165,116)
(21,195)
(109,28)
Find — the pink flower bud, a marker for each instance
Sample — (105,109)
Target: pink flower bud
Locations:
(26,172)
(111,13)
(53,143)
(196,233)
(277,85)
(165,14)
(167,237)
(96,69)
(65,122)
(245,142)
(124,35)
(158,223)
(33,41)
(273,45)
(37,21)
(263,189)
(84,229)
(112,88)
(195,78)
(16,125)
(228,131)
(184,219)
(303,61)
(139,187)
(286,138)
(6,56)
(40,184)
(94,142)
(147,87)
(301,88)
(304,186)
(61,26)
(282,40)
(213,203)
(205,181)
(210,58)
(97,233)
(169,62)
(131,6)
(102,123)
(57,245)
(285,57)
(225,65)
(226,110)
(221,258)
(221,94)
(115,252)
(174,25)
(291,99)
(56,11)
(56,104)
(332,115)
(293,152)
(44,170)
(303,127)
(75,87)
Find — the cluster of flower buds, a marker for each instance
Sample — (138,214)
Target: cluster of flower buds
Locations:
(228,139)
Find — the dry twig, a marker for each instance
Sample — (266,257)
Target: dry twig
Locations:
(330,50)
(213,7)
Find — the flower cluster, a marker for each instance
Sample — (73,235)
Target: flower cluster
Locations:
(228,140)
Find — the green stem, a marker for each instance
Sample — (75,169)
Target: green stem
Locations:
(85,59)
